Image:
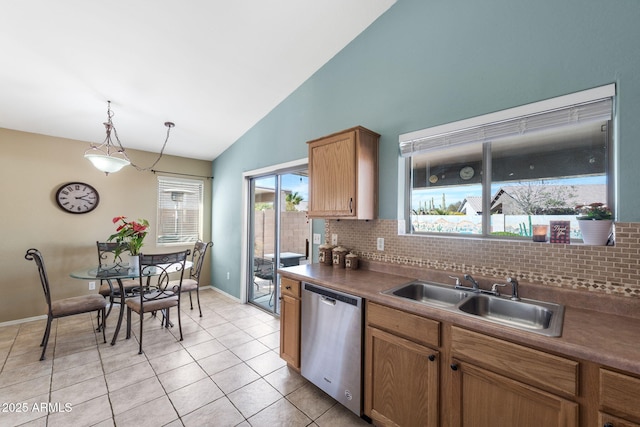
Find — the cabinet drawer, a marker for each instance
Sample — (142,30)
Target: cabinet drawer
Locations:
(620,394)
(525,364)
(290,287)
(404,324)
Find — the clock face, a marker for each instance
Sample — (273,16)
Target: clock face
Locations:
(466,173)
(77,197)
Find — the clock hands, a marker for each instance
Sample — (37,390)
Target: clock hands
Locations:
(83,198)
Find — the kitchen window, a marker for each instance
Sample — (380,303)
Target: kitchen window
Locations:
(497,175)
(180,210)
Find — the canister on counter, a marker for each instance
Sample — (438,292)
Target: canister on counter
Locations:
(351,261)
(339,255)
(325,256)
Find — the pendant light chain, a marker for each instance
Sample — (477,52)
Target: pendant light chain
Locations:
(110,126)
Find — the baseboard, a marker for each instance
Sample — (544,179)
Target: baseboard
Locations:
(224,293)
(25,320)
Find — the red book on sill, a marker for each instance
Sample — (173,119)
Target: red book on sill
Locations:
(560,232)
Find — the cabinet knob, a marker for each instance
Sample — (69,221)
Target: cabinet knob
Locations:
(454,366)
(288,287)
(608,425)
(432,357)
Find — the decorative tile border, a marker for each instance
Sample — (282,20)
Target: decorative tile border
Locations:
(612,270)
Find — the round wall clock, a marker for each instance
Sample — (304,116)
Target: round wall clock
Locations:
(77,197)
(467,173)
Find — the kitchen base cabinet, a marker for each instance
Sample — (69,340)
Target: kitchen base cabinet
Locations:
(607,420)
(483,398)
(620,399)
(401,386)
(496,382)
(290,322)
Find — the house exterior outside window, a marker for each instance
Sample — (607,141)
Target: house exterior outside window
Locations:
(500,174)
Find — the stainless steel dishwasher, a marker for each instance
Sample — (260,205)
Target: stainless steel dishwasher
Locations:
(331,344)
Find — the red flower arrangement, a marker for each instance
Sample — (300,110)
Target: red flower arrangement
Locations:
(130,232)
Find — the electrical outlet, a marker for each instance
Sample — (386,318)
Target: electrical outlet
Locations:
(228,275)
(316,238)
(380,244)
(92,286)
(334,239)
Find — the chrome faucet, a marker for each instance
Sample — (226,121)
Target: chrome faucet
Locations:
(468,277)
(514,289)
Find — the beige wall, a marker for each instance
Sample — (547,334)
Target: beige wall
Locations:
(32,167)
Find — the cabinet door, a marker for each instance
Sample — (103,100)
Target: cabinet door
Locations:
(620,394)
(332,168)
(607,420)
(401,381)
(485,399)
(290,330)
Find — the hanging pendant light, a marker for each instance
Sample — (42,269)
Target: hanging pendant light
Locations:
(109,158)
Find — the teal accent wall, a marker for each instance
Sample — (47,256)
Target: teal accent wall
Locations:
(425,63)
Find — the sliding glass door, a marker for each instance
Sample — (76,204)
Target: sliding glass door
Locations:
(278,232)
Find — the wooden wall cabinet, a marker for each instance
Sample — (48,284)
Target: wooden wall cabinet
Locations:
(496,382)
(343,175)
(619,399)
(401,375)
(290,304)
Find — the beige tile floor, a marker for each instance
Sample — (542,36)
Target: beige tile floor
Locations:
(226,372)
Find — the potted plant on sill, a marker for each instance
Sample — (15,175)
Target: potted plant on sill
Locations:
(595,221)
(132,233)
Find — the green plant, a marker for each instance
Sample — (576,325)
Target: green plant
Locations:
(595,211)
(130,232)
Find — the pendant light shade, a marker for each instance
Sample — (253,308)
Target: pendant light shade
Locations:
(109,158)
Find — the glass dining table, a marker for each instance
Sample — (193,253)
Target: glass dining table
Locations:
(117,273)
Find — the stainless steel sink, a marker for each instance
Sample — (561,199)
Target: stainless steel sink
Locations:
(537,316)
(429,293)
(529,315)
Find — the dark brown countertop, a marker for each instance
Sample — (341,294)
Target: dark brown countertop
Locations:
(610,336)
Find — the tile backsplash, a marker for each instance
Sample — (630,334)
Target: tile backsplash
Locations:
(608,269)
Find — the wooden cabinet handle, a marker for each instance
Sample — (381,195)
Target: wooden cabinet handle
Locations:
(454,366)
(432,357)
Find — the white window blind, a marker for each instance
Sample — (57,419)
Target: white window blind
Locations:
(179,210)
(510,123)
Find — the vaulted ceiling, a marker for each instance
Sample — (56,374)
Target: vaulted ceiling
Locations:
(214,68)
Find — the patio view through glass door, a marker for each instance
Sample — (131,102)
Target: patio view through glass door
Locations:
(278,232)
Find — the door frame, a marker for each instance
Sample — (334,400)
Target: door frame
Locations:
(246,202)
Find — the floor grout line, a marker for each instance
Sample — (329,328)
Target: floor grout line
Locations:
(218,310)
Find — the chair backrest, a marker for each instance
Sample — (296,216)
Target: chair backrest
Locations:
(35,255)
(161,266)
(263,268)
(107,253)
(198,257)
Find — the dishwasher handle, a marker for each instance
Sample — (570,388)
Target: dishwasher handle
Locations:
(331,295)
(327,300)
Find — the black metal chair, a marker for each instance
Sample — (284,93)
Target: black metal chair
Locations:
(160,295)
(67,306)
(107,259)
(264,269)
(192,283)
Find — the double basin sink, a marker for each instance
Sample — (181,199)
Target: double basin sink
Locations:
(530,315)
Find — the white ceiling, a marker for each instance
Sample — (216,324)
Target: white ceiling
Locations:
(213,67)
